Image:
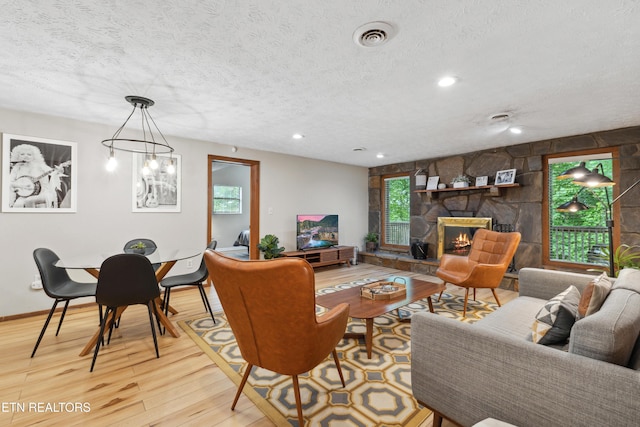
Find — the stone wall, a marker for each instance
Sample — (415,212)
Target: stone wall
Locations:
(520,206)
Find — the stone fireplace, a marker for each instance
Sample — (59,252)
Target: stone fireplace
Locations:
(455,234)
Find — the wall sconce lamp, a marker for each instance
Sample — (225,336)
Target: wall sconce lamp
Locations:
(148,145)
(588,180)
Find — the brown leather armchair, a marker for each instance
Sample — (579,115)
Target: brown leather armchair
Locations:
(270,306)
(488,260)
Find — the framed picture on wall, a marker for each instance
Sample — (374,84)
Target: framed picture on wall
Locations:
(38,175)
(507,176)
(159,189)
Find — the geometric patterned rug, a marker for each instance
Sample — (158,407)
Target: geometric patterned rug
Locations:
(378,390)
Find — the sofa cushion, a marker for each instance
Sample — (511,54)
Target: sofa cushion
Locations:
(513,319)
(554,321)
(593,296)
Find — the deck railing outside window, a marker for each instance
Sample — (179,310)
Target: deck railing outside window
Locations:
(579,244)
(397,233)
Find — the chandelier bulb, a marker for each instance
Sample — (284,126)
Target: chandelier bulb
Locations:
(112,163)
(153,164)
(171,169)
(145,168)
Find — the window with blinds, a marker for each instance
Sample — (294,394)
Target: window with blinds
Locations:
(396,210)
(227,199)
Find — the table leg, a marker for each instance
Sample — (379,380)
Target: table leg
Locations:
(164,320)
(368,339)
(430,304)
(368,336)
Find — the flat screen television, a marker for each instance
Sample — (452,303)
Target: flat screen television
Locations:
(316,231)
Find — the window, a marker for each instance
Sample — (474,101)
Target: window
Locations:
(227,199)
(396,210)
(577,233)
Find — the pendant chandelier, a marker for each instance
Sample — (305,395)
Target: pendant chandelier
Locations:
(148,145)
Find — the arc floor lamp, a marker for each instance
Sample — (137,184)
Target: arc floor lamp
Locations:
(590,179)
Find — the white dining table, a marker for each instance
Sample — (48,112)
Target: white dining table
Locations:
(167,258)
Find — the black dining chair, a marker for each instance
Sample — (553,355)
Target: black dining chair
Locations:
(58,285)
(124,280)
(148,247)
(195,278)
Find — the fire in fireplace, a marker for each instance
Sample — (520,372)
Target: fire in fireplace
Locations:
(455,234)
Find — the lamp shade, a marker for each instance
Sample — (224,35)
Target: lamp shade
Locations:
(575,172)
(573,206)
(594,179)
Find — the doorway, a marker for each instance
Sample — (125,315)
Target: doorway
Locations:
(233,218)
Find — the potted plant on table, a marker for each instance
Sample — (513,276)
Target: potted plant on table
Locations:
(461,181)
(138,248)
(269,246)
(371,242)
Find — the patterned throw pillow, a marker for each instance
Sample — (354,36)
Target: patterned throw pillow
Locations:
(593,296)
(554,321)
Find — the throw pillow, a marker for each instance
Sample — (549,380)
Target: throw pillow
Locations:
(593,296)
(554,321)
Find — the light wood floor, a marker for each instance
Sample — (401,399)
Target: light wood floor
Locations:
(129,386)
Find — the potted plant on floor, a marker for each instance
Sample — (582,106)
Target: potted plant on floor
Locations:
(270,247)
(371,242)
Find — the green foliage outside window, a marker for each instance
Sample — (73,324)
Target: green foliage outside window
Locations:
(399,199)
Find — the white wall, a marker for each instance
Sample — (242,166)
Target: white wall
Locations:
(104,221)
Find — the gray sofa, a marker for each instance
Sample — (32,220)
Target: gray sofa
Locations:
(492,369)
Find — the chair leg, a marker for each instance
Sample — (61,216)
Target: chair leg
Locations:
(165,305)
(64,311)
(44,328)
(493,291)
(241,386)
(205,300)
(335,358)
(466,298)
(153,328)
(99,341)
(296,391)
(474,294)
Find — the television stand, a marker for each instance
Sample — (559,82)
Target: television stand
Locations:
(322,257)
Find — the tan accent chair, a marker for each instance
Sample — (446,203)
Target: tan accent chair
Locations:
(484,267)
(270,306)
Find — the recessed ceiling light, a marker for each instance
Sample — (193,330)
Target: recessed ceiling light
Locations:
(516,130)
(380,155)
(447,81)
(297,136)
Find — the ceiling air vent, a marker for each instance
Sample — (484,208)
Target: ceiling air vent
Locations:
(373,34)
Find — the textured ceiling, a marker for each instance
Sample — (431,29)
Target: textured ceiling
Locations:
(250,73)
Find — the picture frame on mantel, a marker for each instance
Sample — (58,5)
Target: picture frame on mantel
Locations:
(507,176)
(481,181)
(39,175)
(432,182)
(157,190)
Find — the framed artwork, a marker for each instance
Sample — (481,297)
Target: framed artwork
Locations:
(38,175)
(481,181)
(156,190)
(432,182)
(507,176)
